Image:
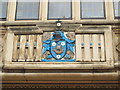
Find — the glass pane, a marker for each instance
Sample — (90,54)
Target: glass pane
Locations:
(59,9)
(27,10)
(3,9)
(117,8)
(92,9)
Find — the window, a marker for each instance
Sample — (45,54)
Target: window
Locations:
(27,10)
(60,9)
(117,9)
(92,9)
(3,10)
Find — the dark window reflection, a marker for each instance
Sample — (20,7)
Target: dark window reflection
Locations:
(92,9)
(117,8)
(60,9)
(3,9)
(27,9)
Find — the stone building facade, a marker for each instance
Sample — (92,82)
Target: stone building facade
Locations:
(89,54)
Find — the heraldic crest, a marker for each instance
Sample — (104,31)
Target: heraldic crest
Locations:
(58,47)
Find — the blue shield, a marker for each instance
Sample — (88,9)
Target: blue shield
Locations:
(58,49)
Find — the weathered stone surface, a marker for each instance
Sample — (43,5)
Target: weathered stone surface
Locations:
(35,80)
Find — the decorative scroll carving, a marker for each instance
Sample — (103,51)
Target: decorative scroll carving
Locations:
(1,47)
(46,36)
(2,39)
(118,47)
(70,35)
(71,54)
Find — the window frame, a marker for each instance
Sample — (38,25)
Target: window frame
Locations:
(71,14)
(104,10)
(39,11)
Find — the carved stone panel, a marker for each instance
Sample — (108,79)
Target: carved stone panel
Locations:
(58,47)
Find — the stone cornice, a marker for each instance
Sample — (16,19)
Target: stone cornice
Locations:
(45,80)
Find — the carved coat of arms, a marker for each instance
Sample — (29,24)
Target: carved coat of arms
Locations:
(58,47)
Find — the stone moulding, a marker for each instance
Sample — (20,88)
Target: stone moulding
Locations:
(59,80)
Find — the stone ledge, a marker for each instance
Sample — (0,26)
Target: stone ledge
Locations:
(60,80)
(101,22)
(59,76)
